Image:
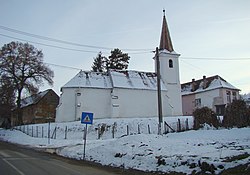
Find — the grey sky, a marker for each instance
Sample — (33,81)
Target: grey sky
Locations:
(199,29)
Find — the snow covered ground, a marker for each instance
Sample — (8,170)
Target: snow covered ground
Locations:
(208,149)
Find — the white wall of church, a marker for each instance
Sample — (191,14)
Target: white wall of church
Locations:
(74,101)
(174,99)
(104,103)
(130,103)
(65,109)
(170,76)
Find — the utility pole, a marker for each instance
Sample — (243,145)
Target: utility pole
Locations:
(159,90)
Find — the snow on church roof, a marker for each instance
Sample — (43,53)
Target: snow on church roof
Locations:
(115,79)
(89,79)
(135,80)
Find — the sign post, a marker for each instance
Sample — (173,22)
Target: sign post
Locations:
(87,118)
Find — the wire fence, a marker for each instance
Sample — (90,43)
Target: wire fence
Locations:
(102,130)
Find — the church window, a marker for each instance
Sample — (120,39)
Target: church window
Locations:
(170,64)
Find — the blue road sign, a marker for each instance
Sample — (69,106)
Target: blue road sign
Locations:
(87,118)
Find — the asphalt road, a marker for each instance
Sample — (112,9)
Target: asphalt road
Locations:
(17,160)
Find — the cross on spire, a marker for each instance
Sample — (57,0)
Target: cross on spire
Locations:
(165,42)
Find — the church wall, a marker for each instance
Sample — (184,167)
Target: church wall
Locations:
(174,99)
(130,103)
(74,101)
(169,69)
(65,109)
(93,100)
(169,72)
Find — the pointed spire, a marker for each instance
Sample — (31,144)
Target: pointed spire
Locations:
(165,42)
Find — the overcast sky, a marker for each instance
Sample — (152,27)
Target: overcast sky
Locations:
(205,31)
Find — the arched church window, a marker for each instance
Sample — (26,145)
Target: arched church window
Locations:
(170,63)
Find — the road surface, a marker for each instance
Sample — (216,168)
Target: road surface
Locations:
(16,160)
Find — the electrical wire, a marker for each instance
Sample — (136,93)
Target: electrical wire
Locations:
(49,45)
(62,66)
(214,59)
(63,41)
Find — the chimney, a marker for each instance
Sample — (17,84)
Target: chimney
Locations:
(193,85)
(204,82)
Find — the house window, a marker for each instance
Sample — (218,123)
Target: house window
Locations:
(234,95)
(170,64)
(228,97)
(197,102)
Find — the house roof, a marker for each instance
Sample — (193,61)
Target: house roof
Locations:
(165,41)
(115,79)
(34,99)
(198,86)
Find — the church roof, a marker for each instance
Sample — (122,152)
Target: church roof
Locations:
(89,79)
(165,41)
(115,79)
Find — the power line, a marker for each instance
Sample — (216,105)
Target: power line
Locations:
(62,41)
(65,48)
(214,59)
(62,66)
(48,45)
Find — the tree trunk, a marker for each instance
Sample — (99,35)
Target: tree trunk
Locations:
(19,111)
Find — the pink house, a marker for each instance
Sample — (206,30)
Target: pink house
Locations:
(213,92)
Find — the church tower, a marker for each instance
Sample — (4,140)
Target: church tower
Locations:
(169,70)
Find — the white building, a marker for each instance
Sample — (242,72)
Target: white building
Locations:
(124,94)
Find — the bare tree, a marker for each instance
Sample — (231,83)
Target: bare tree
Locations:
(22,64)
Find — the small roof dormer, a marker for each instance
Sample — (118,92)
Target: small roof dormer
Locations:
(165,42)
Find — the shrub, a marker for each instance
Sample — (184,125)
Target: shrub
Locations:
(237,114)
(205,115)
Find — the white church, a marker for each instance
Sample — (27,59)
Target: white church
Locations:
(125,94)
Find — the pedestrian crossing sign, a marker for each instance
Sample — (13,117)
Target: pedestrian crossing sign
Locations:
(87,118)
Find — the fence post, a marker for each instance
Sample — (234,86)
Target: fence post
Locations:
(32,131)
(42,131)
(99,132)
(179,125)
(66,130)
(27,129)
(139,130)
(113,131)
(165,128)
(55,133)
(149,129)
(187,127)
(36,131)
(127,130)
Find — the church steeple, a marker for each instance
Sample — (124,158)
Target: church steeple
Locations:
(165,42)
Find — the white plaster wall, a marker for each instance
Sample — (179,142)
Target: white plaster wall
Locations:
(207,98)
(66,108)
(137,103)
(97,101)
(169,75)
(93,100)
(174,95)
(171,79)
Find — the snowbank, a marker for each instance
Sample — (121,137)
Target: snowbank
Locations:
(207,150)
